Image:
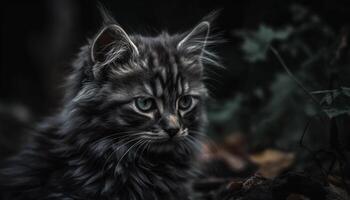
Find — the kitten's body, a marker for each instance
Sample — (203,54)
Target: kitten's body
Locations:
(100,146)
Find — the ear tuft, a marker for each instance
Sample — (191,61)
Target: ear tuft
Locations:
(112,44)
(196,40)
(106,16)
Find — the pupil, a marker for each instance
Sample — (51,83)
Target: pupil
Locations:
(145,103)
(186,102)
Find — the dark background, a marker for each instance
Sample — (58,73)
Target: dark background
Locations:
(40,38)
(251,97)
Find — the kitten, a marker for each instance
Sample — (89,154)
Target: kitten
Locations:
(130,125)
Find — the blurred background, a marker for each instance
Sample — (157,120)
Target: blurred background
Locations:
(258,112)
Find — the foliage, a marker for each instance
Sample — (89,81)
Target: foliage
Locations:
(335,102)
(256,43)
(275,107)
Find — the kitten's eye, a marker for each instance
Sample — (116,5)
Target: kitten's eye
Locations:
(144,104)
(185,102)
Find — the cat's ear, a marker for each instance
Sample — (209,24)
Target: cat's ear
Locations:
(195,41)
(112,44)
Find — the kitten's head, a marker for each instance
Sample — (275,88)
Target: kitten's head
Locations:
(147,91)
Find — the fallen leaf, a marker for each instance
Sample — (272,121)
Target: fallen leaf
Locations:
(272,162)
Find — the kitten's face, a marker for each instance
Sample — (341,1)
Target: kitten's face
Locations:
(151,91)
(160,92)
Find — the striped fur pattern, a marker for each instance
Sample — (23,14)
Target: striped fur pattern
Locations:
(130,125)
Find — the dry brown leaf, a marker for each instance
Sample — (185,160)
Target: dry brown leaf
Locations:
(272,162)
(212,151)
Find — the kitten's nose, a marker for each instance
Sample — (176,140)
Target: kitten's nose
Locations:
(171,125)
(172,131)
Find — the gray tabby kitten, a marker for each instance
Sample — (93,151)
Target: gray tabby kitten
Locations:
(130,125)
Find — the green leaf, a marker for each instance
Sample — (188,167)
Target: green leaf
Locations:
(335,102)
(255,43)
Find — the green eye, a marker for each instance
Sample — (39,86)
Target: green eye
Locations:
(185,102)
(144,104)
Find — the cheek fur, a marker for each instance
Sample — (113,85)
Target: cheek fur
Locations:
(193,119)
(131,118)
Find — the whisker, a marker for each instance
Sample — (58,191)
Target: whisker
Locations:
(206,138)
(113,137)
(137,143)
(139,147)
(194,140)
(109,136)
(145,147)
(110,155)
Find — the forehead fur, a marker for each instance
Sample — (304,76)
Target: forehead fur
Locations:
(159,54)
(159,69)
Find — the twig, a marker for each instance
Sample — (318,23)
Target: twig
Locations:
(294,78)
(311,152)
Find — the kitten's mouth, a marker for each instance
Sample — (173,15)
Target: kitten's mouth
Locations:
(165,145)
(166,139)
(161,138)
(178,136)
